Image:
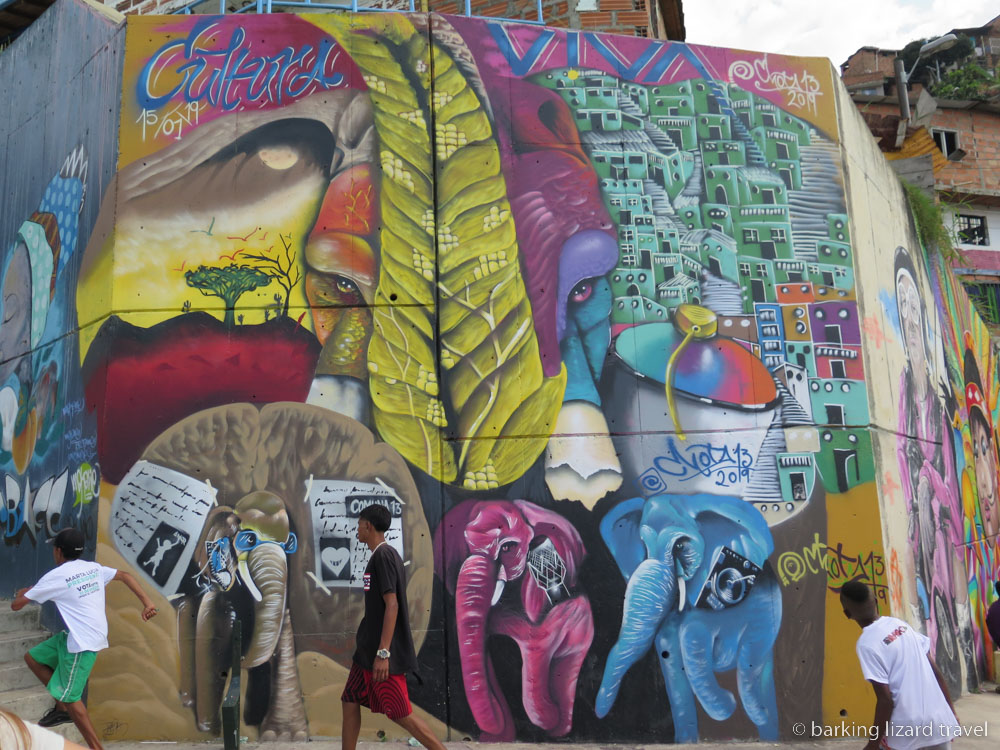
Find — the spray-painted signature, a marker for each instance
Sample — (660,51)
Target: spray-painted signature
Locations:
(802,89)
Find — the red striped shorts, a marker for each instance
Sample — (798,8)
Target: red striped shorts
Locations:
(390,697)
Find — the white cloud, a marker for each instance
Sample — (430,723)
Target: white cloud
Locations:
(827,28)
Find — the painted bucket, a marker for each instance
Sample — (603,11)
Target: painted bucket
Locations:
(725,401)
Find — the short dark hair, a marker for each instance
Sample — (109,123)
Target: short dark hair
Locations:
(856,591)
(378,516)
(70,542)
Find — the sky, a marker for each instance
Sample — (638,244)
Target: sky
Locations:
(828,28)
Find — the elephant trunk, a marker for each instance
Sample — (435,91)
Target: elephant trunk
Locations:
(473,590)
(187,623)
(267,569)
(214,631)
(650,594)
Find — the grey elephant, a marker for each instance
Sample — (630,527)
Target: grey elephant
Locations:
(259,561)
(700,592)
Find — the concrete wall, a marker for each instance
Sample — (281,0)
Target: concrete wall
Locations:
(933,388)
(592,316)
(59,155)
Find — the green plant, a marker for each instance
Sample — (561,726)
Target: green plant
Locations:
(968,82)
(928,216)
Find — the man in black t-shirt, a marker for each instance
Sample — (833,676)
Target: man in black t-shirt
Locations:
(384,645)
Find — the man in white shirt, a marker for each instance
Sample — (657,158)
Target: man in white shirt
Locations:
(912,708)
(64,661)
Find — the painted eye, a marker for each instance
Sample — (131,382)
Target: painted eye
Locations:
(507,546)
(582,291)
(346,286)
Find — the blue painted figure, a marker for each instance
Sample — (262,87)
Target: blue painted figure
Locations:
(699,592)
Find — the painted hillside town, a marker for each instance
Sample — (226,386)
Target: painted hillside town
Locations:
(428,373)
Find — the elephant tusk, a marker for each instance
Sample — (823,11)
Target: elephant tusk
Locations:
(681,594)
(248,581)
(497,593)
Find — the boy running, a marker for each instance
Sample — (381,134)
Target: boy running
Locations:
(64,661)
(385,650)
(912,708)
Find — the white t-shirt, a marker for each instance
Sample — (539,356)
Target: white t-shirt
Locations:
(40,738)
(77,588)
(892,653)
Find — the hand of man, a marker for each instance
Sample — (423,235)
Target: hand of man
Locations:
(380,670)
(149,612)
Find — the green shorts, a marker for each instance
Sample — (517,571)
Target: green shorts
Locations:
(69,671)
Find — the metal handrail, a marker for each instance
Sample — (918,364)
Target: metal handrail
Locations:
(268,6)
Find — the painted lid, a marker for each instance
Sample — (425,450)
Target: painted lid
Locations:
(717,370)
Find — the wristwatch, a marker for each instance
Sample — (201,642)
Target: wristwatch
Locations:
(382,653)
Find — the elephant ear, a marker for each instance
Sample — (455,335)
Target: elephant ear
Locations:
(450,546)
(620,531)
(734,523)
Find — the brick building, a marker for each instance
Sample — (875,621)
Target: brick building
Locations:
(663,19)
(961,139)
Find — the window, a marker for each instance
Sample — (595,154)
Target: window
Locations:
(762,270)
(750,235)
(837,369)
(778,235)
(642,31)
(946,140)
(744,269)
(972,229)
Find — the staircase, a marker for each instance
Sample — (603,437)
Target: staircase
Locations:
(821,194)
(755,157)
(20,690)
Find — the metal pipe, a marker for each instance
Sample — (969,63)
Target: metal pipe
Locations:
(901,91)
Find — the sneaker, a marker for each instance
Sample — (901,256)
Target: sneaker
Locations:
(54,717)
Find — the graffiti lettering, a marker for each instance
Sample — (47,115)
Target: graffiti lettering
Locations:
(171,124)
(73,408)
(229,75)
(81,447)
(839,567)
(727,465)
(84,484)
(801,89)
(22,510)
(542,49)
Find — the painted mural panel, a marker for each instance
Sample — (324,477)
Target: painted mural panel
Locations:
(580,310)
(55,169)
(939,442)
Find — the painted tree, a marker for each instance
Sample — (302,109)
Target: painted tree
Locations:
(282,269)
(229,283)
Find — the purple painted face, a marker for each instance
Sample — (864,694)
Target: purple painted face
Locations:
(585,255)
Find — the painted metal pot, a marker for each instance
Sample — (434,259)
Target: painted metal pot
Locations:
(691,408)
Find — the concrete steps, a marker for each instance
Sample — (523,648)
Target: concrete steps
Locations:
(20,690)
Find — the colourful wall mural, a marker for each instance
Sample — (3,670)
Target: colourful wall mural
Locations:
(55,170)
(581,310)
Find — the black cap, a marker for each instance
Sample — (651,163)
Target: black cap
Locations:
(69,542)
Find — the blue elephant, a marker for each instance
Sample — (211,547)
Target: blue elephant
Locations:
(697,584)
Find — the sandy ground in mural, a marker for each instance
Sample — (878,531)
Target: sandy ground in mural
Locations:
(138,676)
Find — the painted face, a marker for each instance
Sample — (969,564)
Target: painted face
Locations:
(986,479)
(15,323)
(911,321)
